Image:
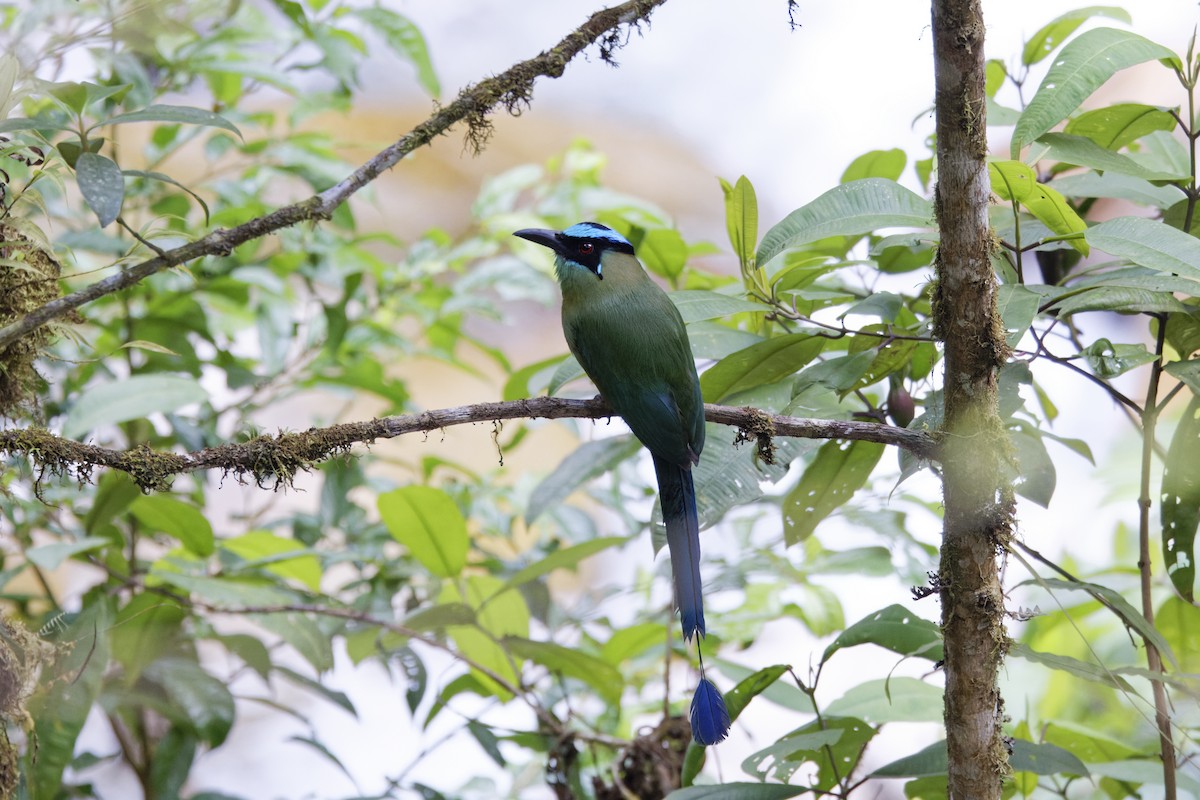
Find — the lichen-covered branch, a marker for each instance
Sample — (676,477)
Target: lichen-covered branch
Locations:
(511,89)
(273,461)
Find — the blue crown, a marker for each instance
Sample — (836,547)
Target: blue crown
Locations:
(594,230)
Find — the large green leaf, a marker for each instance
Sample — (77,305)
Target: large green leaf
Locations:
(847,210)
(567,558)
(1115,126)
(1148,243)
(894,628)
(886,164)
(429,524)
(1082,67)
(741,218)
(1014,180)
(177,519)
(699,304)
(1086,670)
(1118,186)
(738,791)
(1053,33)
(204,699)
(406,40)
(102,186)
(599,674)
(287,558)
(1181,502)
(896,699)
(1116,298)
(839,470)
(147,627)
(50,556)
(766,362)
(1109,360)
(590,460)
(834,744)
(1083,152)
(187,115)
(131,398)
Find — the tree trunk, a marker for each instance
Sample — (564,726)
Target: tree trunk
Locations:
(978,497)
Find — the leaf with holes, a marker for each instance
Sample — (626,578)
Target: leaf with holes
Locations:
(839,470)
(1181,502)
(102,186)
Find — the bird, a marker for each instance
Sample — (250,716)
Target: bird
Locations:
(631,341)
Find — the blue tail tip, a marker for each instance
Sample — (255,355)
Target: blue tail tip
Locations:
(710,717)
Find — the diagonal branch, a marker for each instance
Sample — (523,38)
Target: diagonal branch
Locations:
(274,461)
(511,89)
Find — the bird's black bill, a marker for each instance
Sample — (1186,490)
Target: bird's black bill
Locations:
(543,237)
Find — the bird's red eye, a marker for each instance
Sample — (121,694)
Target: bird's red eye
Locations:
(586,248)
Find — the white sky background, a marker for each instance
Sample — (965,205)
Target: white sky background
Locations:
(747,95)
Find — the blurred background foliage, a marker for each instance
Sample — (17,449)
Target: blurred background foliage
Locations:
(511,596)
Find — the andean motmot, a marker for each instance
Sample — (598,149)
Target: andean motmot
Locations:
(630,340)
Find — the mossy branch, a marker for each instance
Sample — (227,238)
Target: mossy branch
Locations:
(273,461)
(511,89)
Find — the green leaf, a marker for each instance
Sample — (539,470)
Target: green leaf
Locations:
(1117,298)
(442,615)
(1052,34)
(782,693)
(1116,126)
(1014,180)
(1117,186)
(628,642)
(700,304)
(1121,607)
(834,744)
(931,760)
(896,699)
(1018,306)
(1109,360)
(850,209)
(1037,477)
(50,556)
(205,700)
(1044,759)
(1187,372)
(429,524)
(886,164)
(839,470)
(1086,670)
(131,398)
(500,613)
(595,672)
(284,557)
(177,519)
(1086,744)
(663,251)
(186,115)
(406,40)
(567,558)
(590,460)
(1084,152)
(739,791)
(339,699)
(567,371)
(116,490)
(741,219)
(517,386)
(312,643)
(894,628)
(158,176)
(1148,243)
(146,628)
(1082,67)
(766,362)
(1181,502)
(102,186)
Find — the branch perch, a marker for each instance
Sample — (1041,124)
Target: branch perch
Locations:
(512,89)
(274,461)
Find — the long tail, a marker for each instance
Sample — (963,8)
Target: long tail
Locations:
(678,497)
(709,716)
